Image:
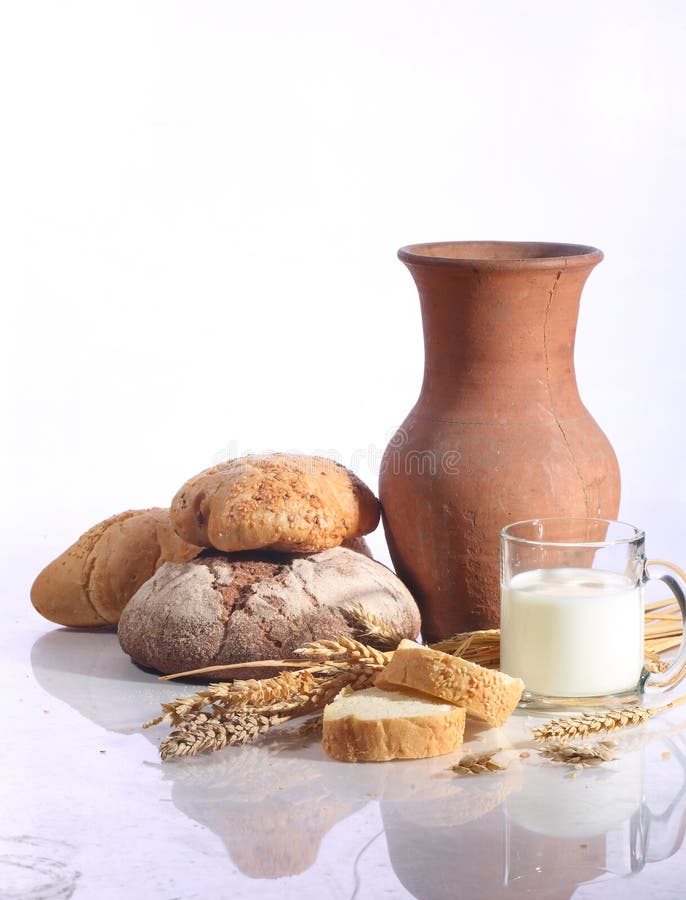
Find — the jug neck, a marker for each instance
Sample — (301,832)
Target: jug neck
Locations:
(498,332)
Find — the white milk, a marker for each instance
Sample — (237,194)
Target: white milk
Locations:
(572,632)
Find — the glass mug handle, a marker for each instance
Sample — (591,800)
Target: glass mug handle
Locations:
(675,579)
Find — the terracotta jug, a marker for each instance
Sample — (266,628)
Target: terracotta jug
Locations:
(499,432)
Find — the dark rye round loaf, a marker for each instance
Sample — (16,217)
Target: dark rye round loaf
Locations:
(220,610)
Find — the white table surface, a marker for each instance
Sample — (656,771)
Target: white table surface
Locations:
(88,809)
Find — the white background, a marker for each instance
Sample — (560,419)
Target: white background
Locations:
(201,202)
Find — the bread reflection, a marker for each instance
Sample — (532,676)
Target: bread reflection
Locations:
(270,810)
(272,803)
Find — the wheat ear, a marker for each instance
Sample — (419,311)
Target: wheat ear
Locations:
(568,729)
(252,692)
(211,733)
(379,632)
(345,650)
(244,715)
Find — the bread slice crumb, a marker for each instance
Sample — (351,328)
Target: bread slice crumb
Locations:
(375,725)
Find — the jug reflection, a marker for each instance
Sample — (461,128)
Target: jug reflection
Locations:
(466,844)
(551,833)
(579,817)
(616,802)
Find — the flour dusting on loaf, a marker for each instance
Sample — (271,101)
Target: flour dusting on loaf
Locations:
(219,609)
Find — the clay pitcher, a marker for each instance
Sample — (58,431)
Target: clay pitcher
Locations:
(499,432)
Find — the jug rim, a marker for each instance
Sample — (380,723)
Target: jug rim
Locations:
(500,254)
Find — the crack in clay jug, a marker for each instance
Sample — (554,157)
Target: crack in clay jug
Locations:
(499,432)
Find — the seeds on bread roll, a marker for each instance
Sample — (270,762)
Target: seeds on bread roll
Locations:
(280,502)
(373,725)
(485,693)
(91,582)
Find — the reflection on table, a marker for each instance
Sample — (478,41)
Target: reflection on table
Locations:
(531,830)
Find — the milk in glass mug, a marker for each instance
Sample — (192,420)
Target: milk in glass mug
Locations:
(572,611)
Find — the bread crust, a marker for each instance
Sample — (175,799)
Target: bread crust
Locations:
(350,738)
(488,694)
(219,609)
(278,501)
(90,583)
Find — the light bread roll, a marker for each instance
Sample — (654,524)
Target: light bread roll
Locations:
(283,502)
(488,694)
(92,581)
(374,725)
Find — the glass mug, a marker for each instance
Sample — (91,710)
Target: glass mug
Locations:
(572,611)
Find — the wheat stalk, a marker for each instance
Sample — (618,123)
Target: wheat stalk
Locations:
(252,708)
(482,647)
(251,692)
(477,763)
(579,755)
(225,714)
(228,713)
(568,729)
(328,688)
(590,723)
(663,629)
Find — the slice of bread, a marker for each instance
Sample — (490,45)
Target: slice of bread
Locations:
(374,725)
(485,693)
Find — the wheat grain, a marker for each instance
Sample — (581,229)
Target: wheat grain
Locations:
(478,763)
(579,755)
(653,663)
(328,688)
(482,647)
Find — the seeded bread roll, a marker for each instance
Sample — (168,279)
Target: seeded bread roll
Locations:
(281,502)
(91,582)
(373,725)
(485,693)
